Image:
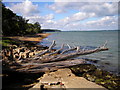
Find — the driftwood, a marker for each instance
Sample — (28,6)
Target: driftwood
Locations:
(70,55)
(62,47)
(53,60)
(45,67)
(48,50)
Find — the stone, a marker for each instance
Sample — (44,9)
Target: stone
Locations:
(65,79)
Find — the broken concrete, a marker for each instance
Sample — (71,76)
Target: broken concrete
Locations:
(64,79)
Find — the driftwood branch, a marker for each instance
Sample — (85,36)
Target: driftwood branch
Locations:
(36,67)
(54,60)
(62,47)
(52,45)
(48,50)
(65,51)
(78,48)
(70,49)
(69,46)
(71,55)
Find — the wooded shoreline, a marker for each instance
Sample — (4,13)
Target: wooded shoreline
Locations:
(9,78)
(79,70)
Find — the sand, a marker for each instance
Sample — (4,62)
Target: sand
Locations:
(36,38)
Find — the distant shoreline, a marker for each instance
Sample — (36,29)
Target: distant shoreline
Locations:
(89,30)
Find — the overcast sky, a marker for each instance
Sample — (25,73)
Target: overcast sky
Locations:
(69,16)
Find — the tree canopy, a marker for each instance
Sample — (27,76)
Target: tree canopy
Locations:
(13,24)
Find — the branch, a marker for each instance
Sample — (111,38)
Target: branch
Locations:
(62,47)
(52,45)
(105,44)
(69,46)
(70,49)
(48,50)
(78,48)
(72,55)
(36,67)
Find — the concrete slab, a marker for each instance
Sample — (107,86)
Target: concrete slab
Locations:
(65,79)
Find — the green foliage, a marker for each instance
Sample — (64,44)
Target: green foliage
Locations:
(34,28)
(5,42)
(13,24)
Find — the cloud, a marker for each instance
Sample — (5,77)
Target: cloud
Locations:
(107,22)
(69,23)
(49,22)
(99,8)
(104,23)
(25,8)
(62,7)
(42,19)
(78,20)
(105,11)
(77,17)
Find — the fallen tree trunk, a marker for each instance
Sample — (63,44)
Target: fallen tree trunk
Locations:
(45,67)
(70,55)
(51,62)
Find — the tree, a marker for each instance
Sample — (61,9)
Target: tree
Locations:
(37,27)
(13,24)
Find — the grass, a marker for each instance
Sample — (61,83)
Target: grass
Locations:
(5,42)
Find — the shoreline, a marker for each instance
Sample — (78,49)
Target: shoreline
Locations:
(15,79)
(35,38)
(27,40)
(107,60)
(76,70)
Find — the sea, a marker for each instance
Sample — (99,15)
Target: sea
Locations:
(106,60)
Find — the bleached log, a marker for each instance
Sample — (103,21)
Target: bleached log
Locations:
(62,47)
(69,46)
(52,45)
(78,48)
(72,55)
(48,50)
(36,67)
(105,44)
(61,57)
(71,49)
(56,61)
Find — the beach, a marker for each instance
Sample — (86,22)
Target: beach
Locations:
(79,72)
(59,45)
(35,38)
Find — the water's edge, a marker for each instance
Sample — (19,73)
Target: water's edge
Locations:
(107,60)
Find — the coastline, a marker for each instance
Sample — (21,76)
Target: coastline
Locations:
(75,70)
(11,79)
(107,60)
(35,38)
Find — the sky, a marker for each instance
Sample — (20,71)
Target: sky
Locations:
(68,15)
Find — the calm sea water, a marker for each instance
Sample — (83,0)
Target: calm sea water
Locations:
(107,60)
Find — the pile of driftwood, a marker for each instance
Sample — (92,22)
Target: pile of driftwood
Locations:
(35,60)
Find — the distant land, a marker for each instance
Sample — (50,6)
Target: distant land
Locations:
(88,30)
(50,30)
(56,30)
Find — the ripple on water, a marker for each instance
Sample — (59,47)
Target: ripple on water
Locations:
(90,40)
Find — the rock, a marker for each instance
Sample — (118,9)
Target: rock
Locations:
(81,69)
(64,79)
